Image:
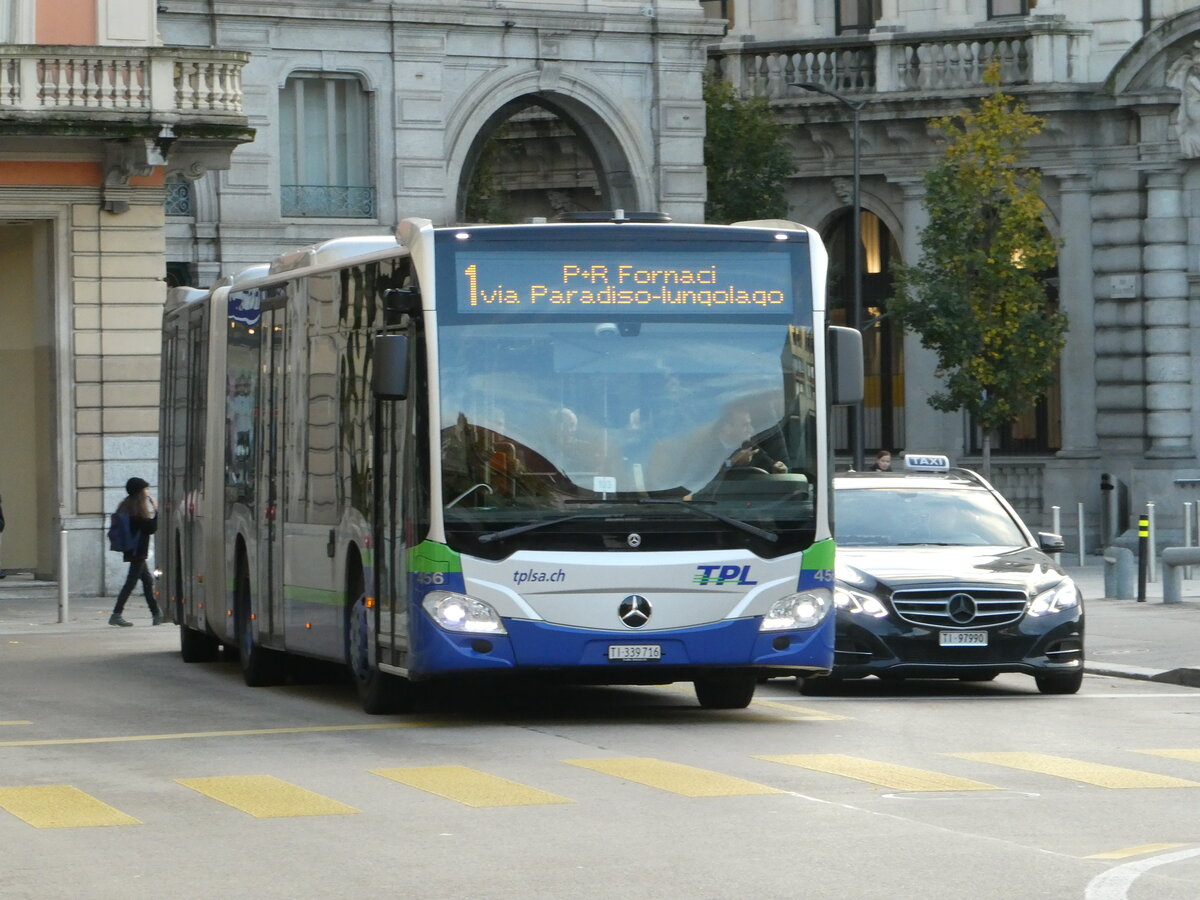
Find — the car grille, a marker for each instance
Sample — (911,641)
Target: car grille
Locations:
(934,606)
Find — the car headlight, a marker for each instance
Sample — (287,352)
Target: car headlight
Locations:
(858,603)
(1062,596)
(805,609)
(459,612)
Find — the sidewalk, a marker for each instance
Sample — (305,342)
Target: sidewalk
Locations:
(1150,641)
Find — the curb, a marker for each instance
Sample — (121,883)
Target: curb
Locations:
(1185,677)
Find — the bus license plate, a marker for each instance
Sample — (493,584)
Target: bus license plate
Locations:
(962,638)
(634,652)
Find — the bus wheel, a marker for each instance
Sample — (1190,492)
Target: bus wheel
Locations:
(197,646)
(733,690)
(260,666)
(379,692)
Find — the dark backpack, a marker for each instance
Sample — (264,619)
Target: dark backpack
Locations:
(121,536)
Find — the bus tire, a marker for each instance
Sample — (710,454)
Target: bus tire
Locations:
(260,665)
(380,693)
(197,646)
(732,690)
(194,646)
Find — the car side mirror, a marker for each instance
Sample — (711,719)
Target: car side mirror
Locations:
(1050,543)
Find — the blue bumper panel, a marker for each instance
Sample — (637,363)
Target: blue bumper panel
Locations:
(531,644)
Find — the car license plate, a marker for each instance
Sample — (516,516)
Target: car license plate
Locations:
(962,638)
(634,652)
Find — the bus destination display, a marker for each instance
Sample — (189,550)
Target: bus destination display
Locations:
(587,280)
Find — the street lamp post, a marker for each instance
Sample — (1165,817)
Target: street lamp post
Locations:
(855,107)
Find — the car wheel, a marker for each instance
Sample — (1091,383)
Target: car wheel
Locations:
(733,691)
(819,686)
(1059,682)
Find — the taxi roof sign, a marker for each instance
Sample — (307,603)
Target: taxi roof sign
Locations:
(927,462)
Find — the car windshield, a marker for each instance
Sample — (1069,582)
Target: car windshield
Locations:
(899,517)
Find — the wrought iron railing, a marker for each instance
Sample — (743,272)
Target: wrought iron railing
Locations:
(330,201)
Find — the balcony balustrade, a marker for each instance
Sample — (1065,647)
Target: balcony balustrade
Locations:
(165,82)
(1032,52)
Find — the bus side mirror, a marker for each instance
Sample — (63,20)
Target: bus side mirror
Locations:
(389,377)
(846,366)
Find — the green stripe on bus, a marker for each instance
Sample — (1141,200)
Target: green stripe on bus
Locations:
(819,556)
(317,596)
(429,556)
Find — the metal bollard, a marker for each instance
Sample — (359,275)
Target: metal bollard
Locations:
(1119,573)
(1143,537)
(1187,533)
(1056,527)
(1082,561)
(1152,562)
(64,592)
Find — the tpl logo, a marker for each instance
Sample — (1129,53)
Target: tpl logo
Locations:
(724,575)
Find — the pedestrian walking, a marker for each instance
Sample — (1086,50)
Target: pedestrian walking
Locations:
(142,516)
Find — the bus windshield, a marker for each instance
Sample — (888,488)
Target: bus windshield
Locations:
(586,429)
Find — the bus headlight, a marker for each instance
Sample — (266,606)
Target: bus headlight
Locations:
(805,609)
(459,612)
(1061,596)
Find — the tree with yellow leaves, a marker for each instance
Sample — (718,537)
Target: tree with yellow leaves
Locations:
(977,297)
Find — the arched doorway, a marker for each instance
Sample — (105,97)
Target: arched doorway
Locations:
(543,155)
(883,356)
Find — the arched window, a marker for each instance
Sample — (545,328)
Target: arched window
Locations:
(883,358)
(324,141)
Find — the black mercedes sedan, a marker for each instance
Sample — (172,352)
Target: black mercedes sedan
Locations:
(938,577)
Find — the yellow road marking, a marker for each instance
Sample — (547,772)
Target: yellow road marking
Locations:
(470,786)
(675,778)
(1186,755)
(1134,851)
(1077,770)
(802,712)
(60,806)
(266,797)
(899,778)
(187,735)
(16,722)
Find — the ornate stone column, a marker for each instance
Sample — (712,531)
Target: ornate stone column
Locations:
(1077,366)
(1165,291)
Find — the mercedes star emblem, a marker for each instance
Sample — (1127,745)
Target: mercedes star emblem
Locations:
(634,611)
(961,608)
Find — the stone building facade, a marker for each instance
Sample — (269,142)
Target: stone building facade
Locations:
(92,106)
(1118,84)
(143,143)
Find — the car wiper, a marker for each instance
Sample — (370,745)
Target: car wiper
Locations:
(534,526)
(696,507)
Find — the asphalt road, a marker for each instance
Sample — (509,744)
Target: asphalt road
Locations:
(125,773)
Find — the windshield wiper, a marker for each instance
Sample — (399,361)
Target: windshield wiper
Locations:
(694,506)
(534,526)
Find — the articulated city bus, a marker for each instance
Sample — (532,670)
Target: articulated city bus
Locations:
(593,451)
